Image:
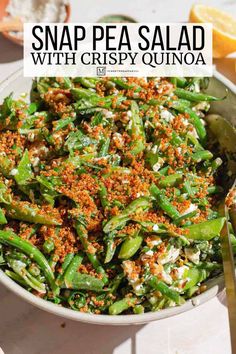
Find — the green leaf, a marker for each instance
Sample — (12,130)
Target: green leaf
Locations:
(78,140)
(33,107)
(24,171)
(7,107)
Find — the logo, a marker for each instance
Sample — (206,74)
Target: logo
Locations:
(101,71)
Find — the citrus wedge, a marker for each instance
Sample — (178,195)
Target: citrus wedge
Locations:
(224,28)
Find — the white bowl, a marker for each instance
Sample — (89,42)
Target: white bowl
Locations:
(218,85)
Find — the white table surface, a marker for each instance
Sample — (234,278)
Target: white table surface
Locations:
(27,330)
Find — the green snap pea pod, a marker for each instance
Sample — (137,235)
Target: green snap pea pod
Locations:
(130,246)
(77,140)
(152,158)
(62,123)
(137,131)
(31,213)
(11,239)
(111,247)
(176,140)
(83,235)
(20,269)
(115,283)
(16,277)
(48,246)
(79,160)
(47,188)
(215,164)
(177,192)
(194,141)
(79,93)
(159,285)
(171,180)
(49,183)
(121,83)
(195,83)
(88,99)
(163,202)
(201,130)
(65,264)
(210,266)
(160,304)
(195,275)
(82,93)
(99,118)
(139,204)
(184,103)
(173,80)
(85,282)
(53,259)
(215,189)
(43,85)
(122,305)
(154,102)
(103,195)
(38,133)
(86,82)
(138,309)
(179,81)
(67,83)
(187,188)
(104,147)
(99,102)
(194,96)
(34,270)
(191,291)
(186,216)
(115,222)
(164,171)
(202,155)
(72,269)
(205,230)
(149,226)
(19,256)
(201,201)
(3,219)
(89,110)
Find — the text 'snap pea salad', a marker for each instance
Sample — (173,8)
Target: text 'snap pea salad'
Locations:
(109,193)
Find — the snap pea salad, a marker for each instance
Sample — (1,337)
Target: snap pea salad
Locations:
(110,192)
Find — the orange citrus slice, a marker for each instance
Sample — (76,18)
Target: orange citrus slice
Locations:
(224,28)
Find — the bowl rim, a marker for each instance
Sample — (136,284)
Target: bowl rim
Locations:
(216,285)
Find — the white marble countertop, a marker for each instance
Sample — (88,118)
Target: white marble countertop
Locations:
(27,330)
